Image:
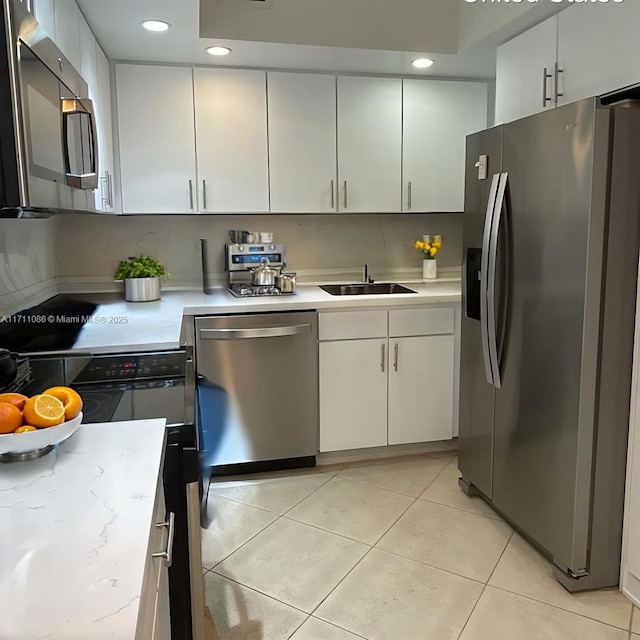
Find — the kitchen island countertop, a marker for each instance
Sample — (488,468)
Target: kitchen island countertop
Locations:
(119,326)
(75,528)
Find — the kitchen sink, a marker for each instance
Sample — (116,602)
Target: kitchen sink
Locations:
(380,288)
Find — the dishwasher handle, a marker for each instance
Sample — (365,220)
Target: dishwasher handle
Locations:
(263,332)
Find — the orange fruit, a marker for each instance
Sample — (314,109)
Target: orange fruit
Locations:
(24,428)
(70,399)
(43,411)
(16,399)
(10,417)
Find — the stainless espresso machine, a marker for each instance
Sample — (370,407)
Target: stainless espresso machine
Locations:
(242,260)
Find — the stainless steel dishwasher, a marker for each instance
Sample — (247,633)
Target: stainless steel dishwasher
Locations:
(257,390)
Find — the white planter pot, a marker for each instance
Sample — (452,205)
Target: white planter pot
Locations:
(141,289)
(429,270)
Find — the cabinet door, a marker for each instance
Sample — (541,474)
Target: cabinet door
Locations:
(369,144)
(231,133)
(44,12)
(598,49)
(105,135)
(156,136)
(520,65)
(421,374)
(162,626)
(437,117)
(67,20)
(353,394)
(302,142)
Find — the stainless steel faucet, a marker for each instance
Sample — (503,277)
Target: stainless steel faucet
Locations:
(366,278)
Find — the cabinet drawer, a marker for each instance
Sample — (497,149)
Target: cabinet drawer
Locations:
(421,322)
(351,325)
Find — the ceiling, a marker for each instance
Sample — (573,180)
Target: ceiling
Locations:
(376,44)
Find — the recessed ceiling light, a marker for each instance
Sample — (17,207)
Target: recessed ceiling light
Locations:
(422,63)
(155,25)
(218,51)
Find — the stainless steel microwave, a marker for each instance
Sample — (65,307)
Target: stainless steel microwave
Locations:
(48,139)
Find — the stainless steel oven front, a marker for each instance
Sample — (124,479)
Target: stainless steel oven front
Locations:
(49,144)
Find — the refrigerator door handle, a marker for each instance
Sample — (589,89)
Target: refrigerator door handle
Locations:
(491,280)
(484,272)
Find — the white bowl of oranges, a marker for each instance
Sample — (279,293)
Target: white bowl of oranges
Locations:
(40,422)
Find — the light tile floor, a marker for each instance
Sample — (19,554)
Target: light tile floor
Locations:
(383,550)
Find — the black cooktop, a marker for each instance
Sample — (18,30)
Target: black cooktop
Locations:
(53,325)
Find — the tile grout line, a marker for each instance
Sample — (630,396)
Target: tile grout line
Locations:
(473,513)
(365,555)
(245,543)
(401,493)
(293,633)
(278,517)
(307,496)
(548,604)
(486,584)
(246,504)
(262,593)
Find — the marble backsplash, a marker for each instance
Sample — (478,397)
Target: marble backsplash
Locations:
(79,252)
(318,247)
(27,262)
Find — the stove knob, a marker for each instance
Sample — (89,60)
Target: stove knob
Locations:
(272,247)
(241,248)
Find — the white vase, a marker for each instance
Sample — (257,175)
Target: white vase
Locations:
(429,270)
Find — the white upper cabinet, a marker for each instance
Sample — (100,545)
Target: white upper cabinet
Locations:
(156,139)
(44,12)
(106,165)
(369,144)
(88,57)
(231,134)
(437,117)
(525,72)
(598,49)
(67,37)
(302,142)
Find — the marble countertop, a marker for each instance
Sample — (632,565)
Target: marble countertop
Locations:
(74,531)
(119,326)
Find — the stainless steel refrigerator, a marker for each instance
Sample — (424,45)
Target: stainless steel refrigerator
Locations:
(551,237)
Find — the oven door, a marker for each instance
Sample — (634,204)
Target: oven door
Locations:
(143,400)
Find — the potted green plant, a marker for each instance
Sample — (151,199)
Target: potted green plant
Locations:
(141,275)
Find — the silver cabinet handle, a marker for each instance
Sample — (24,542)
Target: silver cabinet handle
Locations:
(395,356)
(191,194)
(111,190)
(409,196)
(204,195)
(333,199)
(105,190)
(556,73)
(265,332)
(346,194)
(382,356)
(545,76)
(167,554)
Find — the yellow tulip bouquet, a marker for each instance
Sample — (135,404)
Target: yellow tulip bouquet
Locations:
(429,246)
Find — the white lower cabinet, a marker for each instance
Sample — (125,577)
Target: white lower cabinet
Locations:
(353,394)
(378,391)
(421,389)
(154,622)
